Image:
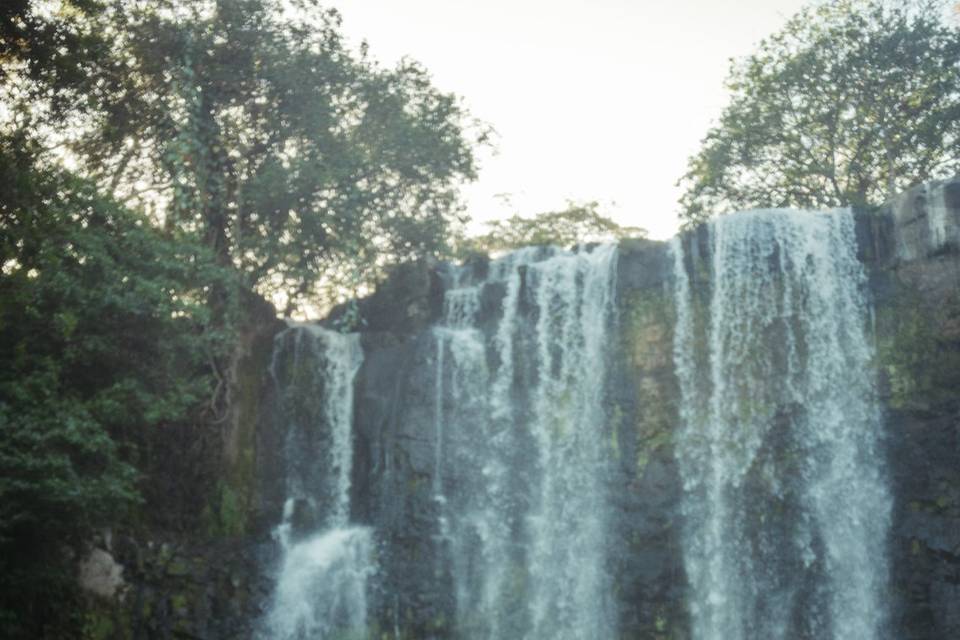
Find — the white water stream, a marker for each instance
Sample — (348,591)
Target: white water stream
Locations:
(786,504)
(321,585)
(520,419)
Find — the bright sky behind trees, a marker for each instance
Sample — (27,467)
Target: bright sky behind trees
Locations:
(591,99)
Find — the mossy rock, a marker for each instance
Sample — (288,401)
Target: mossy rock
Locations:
(648,322)
(918,351)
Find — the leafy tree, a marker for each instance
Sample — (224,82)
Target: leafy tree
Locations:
(249,123)
(577,223)
(852,101)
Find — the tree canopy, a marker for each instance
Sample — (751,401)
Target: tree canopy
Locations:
(579,222)
(852,101)
(302,163)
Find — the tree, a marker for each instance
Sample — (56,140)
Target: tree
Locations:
(303,165)
(852,101)
(577,223)
(102,341)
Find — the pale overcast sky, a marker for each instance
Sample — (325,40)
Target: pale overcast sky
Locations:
(592,100)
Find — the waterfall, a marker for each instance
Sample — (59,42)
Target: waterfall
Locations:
(321,587)
(938,215)
(458,404)
(786,506)
(520,419)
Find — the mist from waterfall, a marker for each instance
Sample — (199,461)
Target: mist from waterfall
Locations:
(786,504)
(322,581)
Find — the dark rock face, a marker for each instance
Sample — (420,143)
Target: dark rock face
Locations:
(392,487)
(916,287)
(195,567)
(394,459)
(182,589)
(649,567)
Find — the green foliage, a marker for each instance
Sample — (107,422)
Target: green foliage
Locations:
(300,163)
(90,289)
(228,516)
(851,102)
(100,339)
(44,49)
(578,223)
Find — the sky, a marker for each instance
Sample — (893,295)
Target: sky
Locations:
(591,100)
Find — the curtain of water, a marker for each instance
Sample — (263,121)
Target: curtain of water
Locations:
(527,520)
(321,587)
(786,506)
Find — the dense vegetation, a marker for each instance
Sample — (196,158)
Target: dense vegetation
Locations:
(163,162)
(102,341)
(851,102)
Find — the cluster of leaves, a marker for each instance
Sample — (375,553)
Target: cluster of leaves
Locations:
(101,338)
(578,223)
(852,101)
(43,46)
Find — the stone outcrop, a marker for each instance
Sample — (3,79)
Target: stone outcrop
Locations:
(915,269)
(101,574)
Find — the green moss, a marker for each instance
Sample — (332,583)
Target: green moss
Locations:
(616,418)
(165,554)
(179,603)
(918,351)
(178,567)
(660,624)
(227,516)
(517,581)
(236,497)
(417,482)
(103,620)
(939,506)
(649,317)
(229,512)
(439,623)
(647,336)
(97,626)
(650,448)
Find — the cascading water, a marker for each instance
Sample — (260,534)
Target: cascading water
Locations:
(519,418)
(321,587)
(785,502)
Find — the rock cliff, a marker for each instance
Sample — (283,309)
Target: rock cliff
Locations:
(910,250)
